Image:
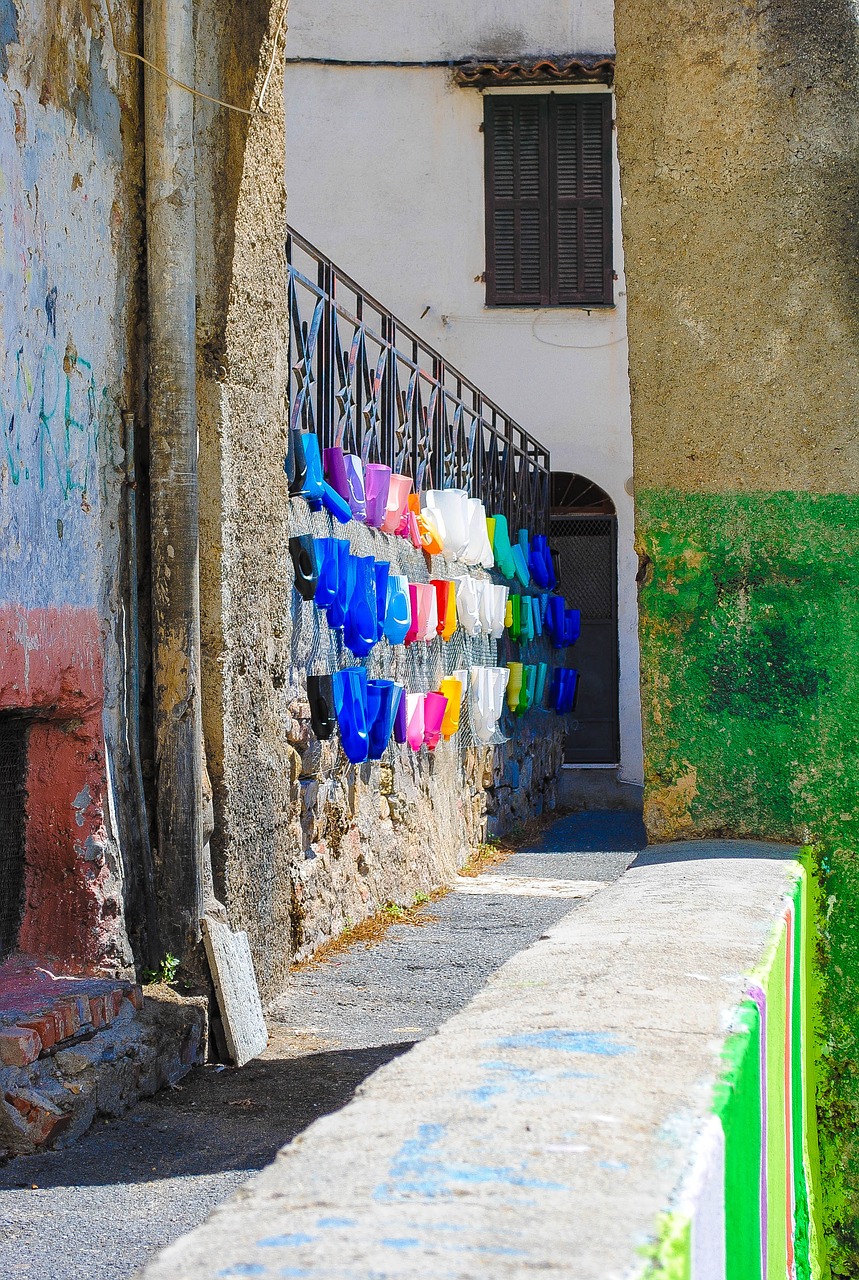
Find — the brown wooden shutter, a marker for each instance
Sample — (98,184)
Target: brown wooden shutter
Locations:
(516,191)
(548,200)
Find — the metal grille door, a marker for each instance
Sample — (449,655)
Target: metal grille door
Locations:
(13,759)
(588,551)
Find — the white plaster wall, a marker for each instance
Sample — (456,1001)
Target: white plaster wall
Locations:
(440,29)
(384,171)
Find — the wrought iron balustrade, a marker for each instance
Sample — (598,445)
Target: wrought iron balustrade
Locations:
(362,380)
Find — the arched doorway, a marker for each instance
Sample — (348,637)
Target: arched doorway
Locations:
(584,532)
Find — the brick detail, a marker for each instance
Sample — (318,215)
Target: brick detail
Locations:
(97,1013)
(46,1026)
(19,1046)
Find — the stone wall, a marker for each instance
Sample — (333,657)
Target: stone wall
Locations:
(350,838)
(740,167)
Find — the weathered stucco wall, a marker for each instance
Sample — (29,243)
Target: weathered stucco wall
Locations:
(69,186)
(738,143)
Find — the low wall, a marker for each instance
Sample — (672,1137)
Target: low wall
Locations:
(751,1206)
(630,1096)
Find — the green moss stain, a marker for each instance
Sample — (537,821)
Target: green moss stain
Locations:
(750,655)
(670,1258)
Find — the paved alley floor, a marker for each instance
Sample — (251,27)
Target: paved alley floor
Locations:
(103,1207)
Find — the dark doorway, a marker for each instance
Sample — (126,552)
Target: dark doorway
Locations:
(584,532)
(13,763)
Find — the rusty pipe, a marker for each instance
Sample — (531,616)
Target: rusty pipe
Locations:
(168,39)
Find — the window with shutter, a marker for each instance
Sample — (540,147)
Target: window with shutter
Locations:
(548,200)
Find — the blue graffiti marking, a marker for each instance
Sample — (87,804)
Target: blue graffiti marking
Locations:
(51,425)
(336,1222)
(291,1241)
(242,1269)
(417,1171)
(405,1243)
(595,1042)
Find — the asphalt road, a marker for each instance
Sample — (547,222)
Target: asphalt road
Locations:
(101,1208)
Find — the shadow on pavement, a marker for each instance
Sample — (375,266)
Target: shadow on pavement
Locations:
(216,1120)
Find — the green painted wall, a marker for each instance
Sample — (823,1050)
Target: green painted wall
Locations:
(750,654)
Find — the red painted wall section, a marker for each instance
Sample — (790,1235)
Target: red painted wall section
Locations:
(51,666)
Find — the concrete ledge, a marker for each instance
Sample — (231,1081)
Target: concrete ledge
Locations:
(546,1127)
(591,788)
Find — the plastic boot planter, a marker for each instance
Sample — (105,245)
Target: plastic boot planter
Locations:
(555,621)
(335,471)
(572,626)
(401,722)
(480,705)
(398,492)
(485,605)
(451,688)
(526,621)
(501,548)
(383,700)
(320,695)
(450,618)
(515,627)
(540,562)
(468,606)
(333,502)
(520,565)
(355,484)
(448,509)
(432,618)
(537,615)
(326,557)
(414,611)
(303,554)
(514,684)
(350,700)
(345,584)
(526,693)
(499,678)
(313,487)
(377,484)
(479,549)
(442,591)
(382,571)
(508,613)
(435,706)
(540,684)
(426,601)
(564,688)
(415,720)
(295,464)
(360,630)
(398,613)
(423,533)
(499,610)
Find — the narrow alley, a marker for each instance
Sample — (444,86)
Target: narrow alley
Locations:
(164,1166)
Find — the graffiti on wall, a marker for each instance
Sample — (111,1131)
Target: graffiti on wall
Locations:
(50,421)
(61,338)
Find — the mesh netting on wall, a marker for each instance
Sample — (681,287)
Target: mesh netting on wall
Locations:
(318,649)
